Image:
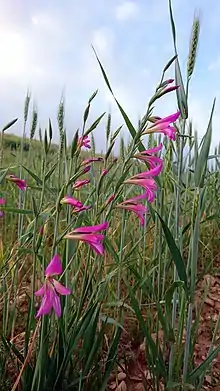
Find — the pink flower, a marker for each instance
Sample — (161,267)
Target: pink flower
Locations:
(104,172)
(86,169)
(163,126)
(79,184)
(90,236)
(110,199)
(84,141)
(153,161)
(133,206)
(170,89)
(147,183)
(92,159)
(19,182)
(71,201)
(80,209)
(49,291)
(77,205)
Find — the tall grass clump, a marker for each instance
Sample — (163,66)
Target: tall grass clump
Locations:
(96,249)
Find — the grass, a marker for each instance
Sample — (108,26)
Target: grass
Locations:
(145,283)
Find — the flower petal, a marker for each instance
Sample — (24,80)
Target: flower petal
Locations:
(97,247)
(92,228)
(71,201)
(54,267)
(62,290)
(57,305)
(47,303)
(171,118)
(2,201)
(40,292)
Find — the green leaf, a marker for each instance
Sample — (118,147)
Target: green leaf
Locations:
(2,177)
(50,172)
(172,26)
(175,252)
(33,175)
(94,125)
(16,210)
(109,320)
(204,366)
(153,352)
(169,63)
(201,163)
(9,124)
(124,115)
(180,92)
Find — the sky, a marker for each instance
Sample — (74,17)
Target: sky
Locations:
(46,48)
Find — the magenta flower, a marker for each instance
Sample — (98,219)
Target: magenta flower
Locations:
(80,209)
(163,126)
(110,199)
(84,141)
(71,201)
(19,182)
(91,160)
(51,288)
(77,205)
(133,206)
(79,184)
(86,169)
(147,183)
(104,172)
(89,235)
(153,161)
(170,89)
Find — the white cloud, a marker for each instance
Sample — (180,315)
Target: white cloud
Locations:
(103,40)
(13,53)
(126,10)
(215,65)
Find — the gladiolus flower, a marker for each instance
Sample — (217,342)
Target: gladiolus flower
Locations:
(110,199)
(91,160)
(89,235)
(77,205)
(71,201)
(51,288)
(86,169)
(84,207)
(163,126)
(79,184)
(147,183)
(84,141)
(133,206)
(170,89)
(19,182)
(153,161)
(104,171)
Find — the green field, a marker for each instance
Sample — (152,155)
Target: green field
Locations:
(141,306)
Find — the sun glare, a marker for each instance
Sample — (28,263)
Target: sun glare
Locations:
(12,54)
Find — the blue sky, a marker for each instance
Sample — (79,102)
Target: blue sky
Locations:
(46,47)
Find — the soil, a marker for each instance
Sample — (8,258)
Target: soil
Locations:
(132,374)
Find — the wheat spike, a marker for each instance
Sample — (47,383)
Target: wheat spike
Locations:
(93,145)
(193,46)
(26,106)
(60,116)
(34,123)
